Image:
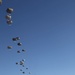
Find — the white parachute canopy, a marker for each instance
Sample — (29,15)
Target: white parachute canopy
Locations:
(9,10)
(9,21)
(0,2)
(19,44)
(9,47)
(18,38)
(8,17)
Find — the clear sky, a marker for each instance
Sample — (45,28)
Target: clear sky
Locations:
(47,32)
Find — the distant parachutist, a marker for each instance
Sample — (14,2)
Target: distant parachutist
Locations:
(18,51)
(23,60)
(26,68)
(18,38)
(23,72)
(16,63)
(20,69)
(23,50)
(21,63)
(14,39)
(19,44)
(9,47)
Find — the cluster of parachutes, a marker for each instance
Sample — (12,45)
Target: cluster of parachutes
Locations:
(8,16)
(21,62)
(9,21)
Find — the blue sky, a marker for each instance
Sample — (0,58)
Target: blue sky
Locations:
(47,31)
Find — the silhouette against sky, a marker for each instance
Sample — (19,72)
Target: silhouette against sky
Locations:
(47,32)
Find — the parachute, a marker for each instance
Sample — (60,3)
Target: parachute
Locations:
(16,38)
(23,60)
(19,44)
(0,2)
(26,68)
(20,69)
(23,50)
(9,47)
(23,72)
(16,63)
(8,17)
(18,51)
(9,22)
(9,10)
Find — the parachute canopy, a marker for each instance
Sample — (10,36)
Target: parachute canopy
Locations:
(19,44)
(15,39)
(0,2)
(26,68)
(16,63)
(20,69)
(9,10)
(23,72)
(18,51)
(9,22)
(18,38)
(9,47)
(23,60)
(8,17)
(23,50)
